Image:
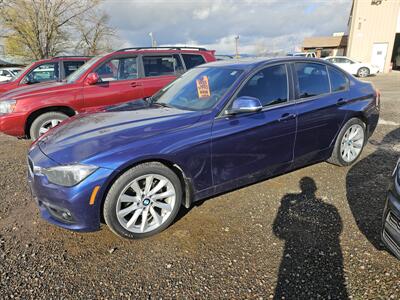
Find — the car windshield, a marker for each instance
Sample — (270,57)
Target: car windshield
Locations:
(82,69)
(197,89)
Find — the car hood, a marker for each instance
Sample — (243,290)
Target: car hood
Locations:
(90,134)
(34,89)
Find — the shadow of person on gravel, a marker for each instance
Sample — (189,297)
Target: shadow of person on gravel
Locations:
(312,262)
(366,185)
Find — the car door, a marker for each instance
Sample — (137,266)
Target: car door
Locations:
(318,108)
(254,145)
(119,82)
(45,72)
(159,71)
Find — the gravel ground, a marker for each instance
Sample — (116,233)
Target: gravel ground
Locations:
(313,233)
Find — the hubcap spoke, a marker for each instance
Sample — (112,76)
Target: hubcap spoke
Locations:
(158,187)
(127,198)
(157,218)
(135,186)
(54,123)
(144,220)
(164,195)
(163,205)
(134,218)
(149,182)
(128,210)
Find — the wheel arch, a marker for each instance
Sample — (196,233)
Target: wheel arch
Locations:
(58,108)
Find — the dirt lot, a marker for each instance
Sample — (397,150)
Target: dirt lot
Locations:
(270,240)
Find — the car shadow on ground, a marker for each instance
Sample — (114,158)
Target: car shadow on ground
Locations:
(367,182)
(312,261)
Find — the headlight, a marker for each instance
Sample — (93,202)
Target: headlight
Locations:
(7,106)
(67,175)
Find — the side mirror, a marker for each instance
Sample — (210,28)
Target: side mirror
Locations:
(244,104)
(92,79)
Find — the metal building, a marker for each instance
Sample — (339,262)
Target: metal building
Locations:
(374,33)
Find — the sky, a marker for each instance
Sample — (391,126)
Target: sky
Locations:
(273,25)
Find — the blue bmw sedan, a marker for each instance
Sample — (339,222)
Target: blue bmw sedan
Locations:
(218,127)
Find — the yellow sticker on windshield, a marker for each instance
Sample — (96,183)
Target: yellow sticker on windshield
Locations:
(203,88)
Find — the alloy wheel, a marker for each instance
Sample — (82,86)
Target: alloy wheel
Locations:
(146,203)
(352,143)
(46,126)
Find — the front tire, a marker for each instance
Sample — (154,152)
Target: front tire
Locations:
(143,201)
(45,122)
(349,143)
(363,72)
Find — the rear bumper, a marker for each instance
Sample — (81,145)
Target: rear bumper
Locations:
(13,124)
(391,222)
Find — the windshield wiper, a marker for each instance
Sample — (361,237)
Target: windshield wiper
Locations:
(163,104)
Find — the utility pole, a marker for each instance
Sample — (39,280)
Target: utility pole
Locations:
(237,47)
(153,42)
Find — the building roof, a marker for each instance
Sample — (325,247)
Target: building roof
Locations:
(325,42)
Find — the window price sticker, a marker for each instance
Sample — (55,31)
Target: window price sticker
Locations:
(203,88)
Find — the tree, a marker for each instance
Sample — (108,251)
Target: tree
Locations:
(95,36)
(40,29)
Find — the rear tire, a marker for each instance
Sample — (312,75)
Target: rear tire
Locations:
(349,143)
(143,201)
(363,72)
(44,122)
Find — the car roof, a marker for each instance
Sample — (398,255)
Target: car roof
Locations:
(171,49)
(250,63)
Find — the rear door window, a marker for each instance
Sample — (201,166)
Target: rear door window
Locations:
(312,79)
(160,65)
(193,60)
(71,66)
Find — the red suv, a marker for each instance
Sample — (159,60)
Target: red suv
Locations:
(120,76)
(45,70)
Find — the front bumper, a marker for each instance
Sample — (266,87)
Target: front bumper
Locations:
(67,207)
(13,124)
(391,220)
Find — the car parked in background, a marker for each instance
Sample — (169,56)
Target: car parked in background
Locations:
(45,70)
(352,66)
(303,54)
(6,74)
(391,216)
(218,127)
(120,76)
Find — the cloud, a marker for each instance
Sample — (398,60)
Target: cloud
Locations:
(273,25)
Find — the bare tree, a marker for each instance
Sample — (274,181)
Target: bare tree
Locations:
(95,36)
(42,28)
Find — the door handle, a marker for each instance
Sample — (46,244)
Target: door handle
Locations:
(341,101)
(135,84)
(286,117)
